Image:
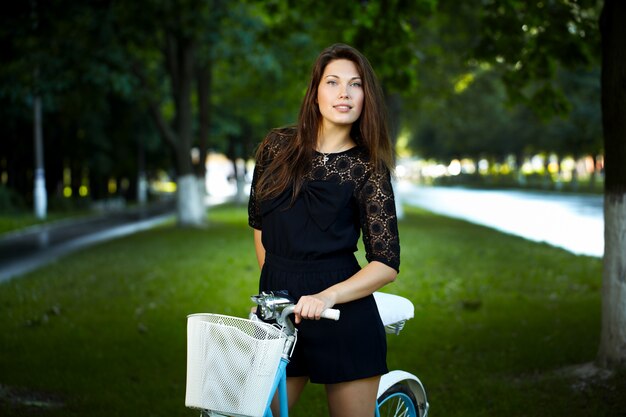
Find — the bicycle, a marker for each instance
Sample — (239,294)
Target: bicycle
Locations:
(235,365)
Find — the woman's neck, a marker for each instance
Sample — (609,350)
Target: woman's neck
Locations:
(334,139)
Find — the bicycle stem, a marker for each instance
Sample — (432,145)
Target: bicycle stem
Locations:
(285,321)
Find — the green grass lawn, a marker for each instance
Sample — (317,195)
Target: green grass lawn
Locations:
(102,332)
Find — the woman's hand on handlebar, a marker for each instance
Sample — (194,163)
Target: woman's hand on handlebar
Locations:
(310,307)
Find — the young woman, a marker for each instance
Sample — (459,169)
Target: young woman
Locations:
(315,187)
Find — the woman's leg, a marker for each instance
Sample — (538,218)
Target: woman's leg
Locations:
(354,398)
(295,386)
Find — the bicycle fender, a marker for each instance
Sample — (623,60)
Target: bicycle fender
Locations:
(413,382)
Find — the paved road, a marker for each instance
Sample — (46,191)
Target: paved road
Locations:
(574,222)
(29,249)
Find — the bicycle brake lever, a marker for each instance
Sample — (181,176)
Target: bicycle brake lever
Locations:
(272,303)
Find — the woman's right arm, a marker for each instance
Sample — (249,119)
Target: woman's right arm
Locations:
(258,247)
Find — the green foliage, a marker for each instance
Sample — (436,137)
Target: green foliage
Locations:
(260,76)
(382,30)
(66,53)
(475,123)
(529,41)
(497,319)
(10,201)
(502,60)
(457,74)
(580,132)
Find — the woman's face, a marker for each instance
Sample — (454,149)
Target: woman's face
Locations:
(340,93)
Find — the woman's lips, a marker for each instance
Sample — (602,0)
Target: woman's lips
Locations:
(343,108)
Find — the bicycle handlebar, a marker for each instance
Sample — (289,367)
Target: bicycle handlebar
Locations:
(329,313)
(279,306)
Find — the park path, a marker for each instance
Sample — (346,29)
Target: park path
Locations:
(574,222)
(31,248)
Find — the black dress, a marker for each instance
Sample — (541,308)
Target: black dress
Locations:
(310,246)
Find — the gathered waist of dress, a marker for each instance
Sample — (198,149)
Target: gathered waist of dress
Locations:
(337,262)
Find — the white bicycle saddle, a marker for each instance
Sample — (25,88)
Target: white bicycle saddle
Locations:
(394,311)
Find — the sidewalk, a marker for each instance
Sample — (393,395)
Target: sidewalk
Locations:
(28,249)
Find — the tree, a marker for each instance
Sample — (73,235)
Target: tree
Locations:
(169,45)
(612,352)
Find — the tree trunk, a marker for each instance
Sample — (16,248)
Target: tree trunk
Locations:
(204,79)
(182,80)
(519,173)
(612,351)
(594,173)
(204,108)
(142,180)
(180,57)
(39,192)
(190,206)
(558,183)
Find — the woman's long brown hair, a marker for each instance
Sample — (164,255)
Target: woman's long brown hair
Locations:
(291,163)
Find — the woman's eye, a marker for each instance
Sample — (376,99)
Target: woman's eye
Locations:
(356,85)
(331,82)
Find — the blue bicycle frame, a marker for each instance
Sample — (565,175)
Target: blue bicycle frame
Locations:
(280,383)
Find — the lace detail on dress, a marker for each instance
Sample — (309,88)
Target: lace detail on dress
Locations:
(373,193)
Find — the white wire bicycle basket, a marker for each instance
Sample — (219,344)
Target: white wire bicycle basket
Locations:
(231,364)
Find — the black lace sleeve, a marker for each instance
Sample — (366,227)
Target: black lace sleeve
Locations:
(254,215)
(269,148)
(379,222)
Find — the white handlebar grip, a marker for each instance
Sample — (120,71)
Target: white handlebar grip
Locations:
(331,313)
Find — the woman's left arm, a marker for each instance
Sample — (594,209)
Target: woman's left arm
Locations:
(372,277)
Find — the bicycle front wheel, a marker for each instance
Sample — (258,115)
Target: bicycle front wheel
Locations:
(397,401)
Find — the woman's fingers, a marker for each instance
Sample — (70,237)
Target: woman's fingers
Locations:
(309,307)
